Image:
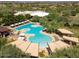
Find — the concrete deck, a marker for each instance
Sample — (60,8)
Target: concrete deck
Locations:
(58,45)
(33,49)
(21,44)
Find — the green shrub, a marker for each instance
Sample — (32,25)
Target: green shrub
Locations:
(9,51)
(72,52)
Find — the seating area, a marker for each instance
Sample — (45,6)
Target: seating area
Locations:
(20,23)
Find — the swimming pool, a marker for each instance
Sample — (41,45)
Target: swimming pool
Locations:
(38,37)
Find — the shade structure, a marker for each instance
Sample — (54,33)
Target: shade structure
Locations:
(4,29)
(72,39)
(39,13)
(64,31)
(33,50)
(58,45)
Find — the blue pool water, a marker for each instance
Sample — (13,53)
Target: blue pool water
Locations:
(38,37)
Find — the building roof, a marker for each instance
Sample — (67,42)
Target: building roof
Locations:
(64,31)
(39,13)
(4,29)
(32,13)
(73,39)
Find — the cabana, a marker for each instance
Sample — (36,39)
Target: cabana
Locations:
(4,31)
(71,40)
(62,32)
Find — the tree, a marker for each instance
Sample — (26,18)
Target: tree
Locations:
(3,41)
(36,19)
(20,18)
(28,16)
(8,19)
(73,12)
(10,51)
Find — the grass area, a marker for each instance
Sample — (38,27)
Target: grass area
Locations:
(72,52)
(10,51)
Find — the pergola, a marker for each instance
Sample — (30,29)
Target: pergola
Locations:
(4,31)
(66,32)
(71,40)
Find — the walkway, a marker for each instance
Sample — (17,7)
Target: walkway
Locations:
(27,47)
(34,49)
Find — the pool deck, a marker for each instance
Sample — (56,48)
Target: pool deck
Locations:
(34,49)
